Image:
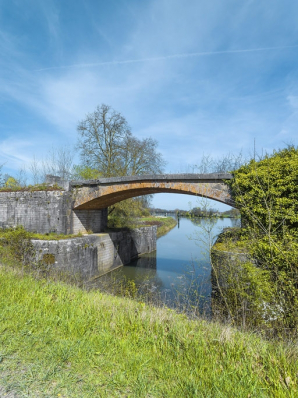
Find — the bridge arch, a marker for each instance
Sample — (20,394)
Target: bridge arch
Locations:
(92,198)
(100,194)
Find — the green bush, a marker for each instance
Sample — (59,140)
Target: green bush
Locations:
(17,245)
(266,193)
(125,213)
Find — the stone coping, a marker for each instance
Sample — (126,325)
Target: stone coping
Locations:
(211,177)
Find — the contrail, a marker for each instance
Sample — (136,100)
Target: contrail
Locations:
(161,58)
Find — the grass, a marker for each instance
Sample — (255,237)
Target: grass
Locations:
(164,224)
(229,246)
(4,232)
(54,236)
(32,188)
(59,341)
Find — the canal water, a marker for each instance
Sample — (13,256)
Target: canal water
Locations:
(178,274)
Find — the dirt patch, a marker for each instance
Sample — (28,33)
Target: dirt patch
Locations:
(4,394)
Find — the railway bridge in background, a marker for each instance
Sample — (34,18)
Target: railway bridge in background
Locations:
(91,198)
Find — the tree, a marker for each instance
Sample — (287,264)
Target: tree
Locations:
(266,194)
(225,164)
(102,138)
(85,173)
(58,162)
(141,157)
(107,145)
(108,149)
(11,182)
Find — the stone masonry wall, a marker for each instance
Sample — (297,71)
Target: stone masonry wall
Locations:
(39,211)
(48,211)
(89,220)
(96,254)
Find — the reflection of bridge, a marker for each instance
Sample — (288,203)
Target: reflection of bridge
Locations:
(92,197)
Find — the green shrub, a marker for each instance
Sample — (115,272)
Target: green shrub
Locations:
(125,213)
(17,245)
(266,193)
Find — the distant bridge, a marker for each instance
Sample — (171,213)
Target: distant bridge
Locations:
(104,192)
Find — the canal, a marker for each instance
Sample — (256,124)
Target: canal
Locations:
(178,274)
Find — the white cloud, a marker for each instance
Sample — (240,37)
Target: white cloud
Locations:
(191,77)
(13,152)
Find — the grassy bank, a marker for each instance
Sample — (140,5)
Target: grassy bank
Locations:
(60,341)
(164,224)
(8,232)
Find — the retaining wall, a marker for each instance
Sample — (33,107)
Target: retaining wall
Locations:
(95,254)
(48,211)
(40,211)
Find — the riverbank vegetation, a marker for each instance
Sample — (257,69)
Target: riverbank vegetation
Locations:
(263,290)
(57,340)
(164,224)
(209,212)
(199,212)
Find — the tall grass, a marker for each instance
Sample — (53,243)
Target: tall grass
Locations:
(59,341)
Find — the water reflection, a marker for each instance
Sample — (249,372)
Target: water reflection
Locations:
(178,274)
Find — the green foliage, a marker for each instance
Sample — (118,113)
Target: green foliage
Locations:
(231,240)
(32,188)
(16,245)
(57,340)
(6,233)
(124,214)
(11,183)
(266,193)
(242,292)
(164,224)
(85,173)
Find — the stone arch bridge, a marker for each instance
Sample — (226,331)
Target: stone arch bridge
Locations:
(82,205)
(91,198)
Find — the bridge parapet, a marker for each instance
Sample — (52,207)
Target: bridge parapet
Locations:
(203,178)
(101,193)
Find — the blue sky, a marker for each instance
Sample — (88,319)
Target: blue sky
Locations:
(200,77)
